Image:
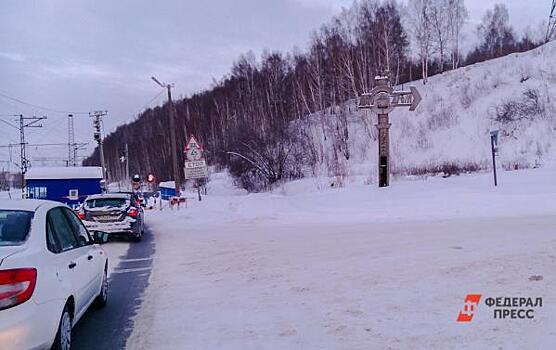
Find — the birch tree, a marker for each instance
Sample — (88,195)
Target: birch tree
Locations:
(419,19)
(456,18)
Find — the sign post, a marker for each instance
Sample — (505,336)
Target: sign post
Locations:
(382,100)
(196,166)
(494,149)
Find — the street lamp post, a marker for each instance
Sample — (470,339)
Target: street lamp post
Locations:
(173,141)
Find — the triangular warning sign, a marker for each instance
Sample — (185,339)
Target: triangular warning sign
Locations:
(192,143)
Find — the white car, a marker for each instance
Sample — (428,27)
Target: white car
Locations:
(51,271)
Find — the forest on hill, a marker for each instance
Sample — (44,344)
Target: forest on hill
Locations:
(246,121)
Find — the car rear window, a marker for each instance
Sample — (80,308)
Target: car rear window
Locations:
(14,226)
(105,202)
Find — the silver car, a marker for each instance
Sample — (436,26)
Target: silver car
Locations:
(115,213)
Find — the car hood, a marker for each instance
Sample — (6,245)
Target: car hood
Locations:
(6,251)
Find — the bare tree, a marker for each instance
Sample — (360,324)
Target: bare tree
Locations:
(438,14)
(495,32)
(419,19)
(456,18)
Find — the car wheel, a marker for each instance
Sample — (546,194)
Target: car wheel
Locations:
(102,298)
(138,236)
(63,336)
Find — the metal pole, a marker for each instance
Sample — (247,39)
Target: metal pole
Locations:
(172,115)
(97,122)
(23,157)
(493,159)
(72,160)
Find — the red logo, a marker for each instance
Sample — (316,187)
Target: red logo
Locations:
(469,307)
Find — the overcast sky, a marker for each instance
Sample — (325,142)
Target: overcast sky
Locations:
(100,54)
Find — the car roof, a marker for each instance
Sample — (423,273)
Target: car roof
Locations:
(108,195)
(26,204)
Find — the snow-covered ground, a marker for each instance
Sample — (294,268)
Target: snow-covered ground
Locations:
(353,268)
(452,123)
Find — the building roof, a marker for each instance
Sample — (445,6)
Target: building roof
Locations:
(59,173)
(167,184)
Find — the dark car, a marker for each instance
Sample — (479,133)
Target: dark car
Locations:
(115,213)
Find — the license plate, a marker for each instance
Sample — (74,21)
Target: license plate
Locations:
(106,218)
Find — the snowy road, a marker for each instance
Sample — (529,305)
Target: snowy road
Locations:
(130,268)
(392,285)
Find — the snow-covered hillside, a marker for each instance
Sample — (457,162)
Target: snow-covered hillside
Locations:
(450,128)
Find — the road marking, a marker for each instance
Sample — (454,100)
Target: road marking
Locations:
(139,259)
(139,269)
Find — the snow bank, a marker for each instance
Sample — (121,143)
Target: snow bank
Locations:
(167,184)
(58,173)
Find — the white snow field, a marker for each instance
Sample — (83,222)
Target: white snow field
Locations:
(354,268)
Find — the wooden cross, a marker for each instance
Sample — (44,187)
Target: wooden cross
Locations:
(382,100)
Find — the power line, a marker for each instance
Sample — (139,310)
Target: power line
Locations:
(150,101)
(53,110)
(36,144)
(26,122)
(8,123)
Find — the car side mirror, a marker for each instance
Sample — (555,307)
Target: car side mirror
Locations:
(100,237)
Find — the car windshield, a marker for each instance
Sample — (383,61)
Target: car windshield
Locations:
(105,202)
(14,226)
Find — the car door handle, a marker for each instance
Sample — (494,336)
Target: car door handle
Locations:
(72,265)
(90,257)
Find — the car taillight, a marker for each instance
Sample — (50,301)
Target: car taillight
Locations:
(133,212)
(81,215)
(16,286)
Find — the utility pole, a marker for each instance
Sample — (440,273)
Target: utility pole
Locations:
(25,122)
(173,141)
(71,142)
(97,124)
(551,29)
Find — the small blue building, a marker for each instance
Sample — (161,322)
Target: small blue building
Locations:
(167,189)
(69,185)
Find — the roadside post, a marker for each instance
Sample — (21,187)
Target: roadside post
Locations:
(382,100)
(494,149)
(195,166)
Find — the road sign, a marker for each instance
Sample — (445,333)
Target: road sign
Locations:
(196,164)
(193,149)
(195,167)
(194,154)
(193,143)
(382,100)
(494,149)
(196,170)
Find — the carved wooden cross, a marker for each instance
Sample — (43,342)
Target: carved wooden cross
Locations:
(382,100)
